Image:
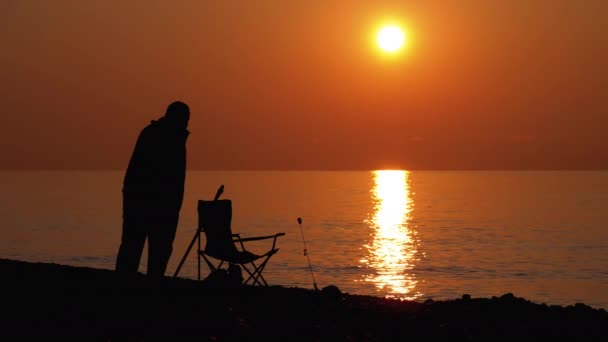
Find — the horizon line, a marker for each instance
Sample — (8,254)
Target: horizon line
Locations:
(313,170)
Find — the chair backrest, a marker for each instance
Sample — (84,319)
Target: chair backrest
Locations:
(214,219)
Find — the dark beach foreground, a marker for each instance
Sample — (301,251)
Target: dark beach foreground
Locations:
(55,301)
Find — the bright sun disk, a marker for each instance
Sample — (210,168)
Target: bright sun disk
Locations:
(390,38)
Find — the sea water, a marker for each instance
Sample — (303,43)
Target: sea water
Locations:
(411,235)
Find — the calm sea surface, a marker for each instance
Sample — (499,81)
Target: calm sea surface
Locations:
(412,235)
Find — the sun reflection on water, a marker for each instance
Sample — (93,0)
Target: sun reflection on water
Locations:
(392,251)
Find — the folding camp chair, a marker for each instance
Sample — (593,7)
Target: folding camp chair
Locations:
(221,244)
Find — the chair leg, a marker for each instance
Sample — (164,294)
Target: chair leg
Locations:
(211,266)
(260,269)
(181,263)
(252,276)
(256,275)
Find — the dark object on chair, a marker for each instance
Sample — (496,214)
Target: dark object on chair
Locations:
(221,278)
(215,219)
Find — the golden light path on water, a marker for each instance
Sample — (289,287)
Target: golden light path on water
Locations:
(392,251)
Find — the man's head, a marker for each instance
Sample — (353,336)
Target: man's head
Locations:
(178,113)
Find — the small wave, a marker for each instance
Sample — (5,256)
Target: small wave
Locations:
(90,259)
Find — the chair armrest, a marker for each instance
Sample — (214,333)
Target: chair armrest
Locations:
(255,238)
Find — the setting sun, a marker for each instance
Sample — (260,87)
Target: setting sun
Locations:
(391,38)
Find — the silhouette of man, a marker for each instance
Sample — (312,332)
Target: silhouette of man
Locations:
(153,191)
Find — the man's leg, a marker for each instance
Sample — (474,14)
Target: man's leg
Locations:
(131,246)
(160,244)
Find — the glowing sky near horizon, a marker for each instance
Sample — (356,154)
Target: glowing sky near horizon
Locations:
(297,85)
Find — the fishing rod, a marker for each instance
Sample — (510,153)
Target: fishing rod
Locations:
(314,282)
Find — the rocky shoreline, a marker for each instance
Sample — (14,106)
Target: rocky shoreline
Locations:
(55,301)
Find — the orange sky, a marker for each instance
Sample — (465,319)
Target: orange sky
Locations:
(513,84)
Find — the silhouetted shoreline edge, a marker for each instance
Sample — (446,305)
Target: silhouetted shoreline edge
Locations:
(51,300)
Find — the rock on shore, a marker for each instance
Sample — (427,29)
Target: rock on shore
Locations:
(55,301)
